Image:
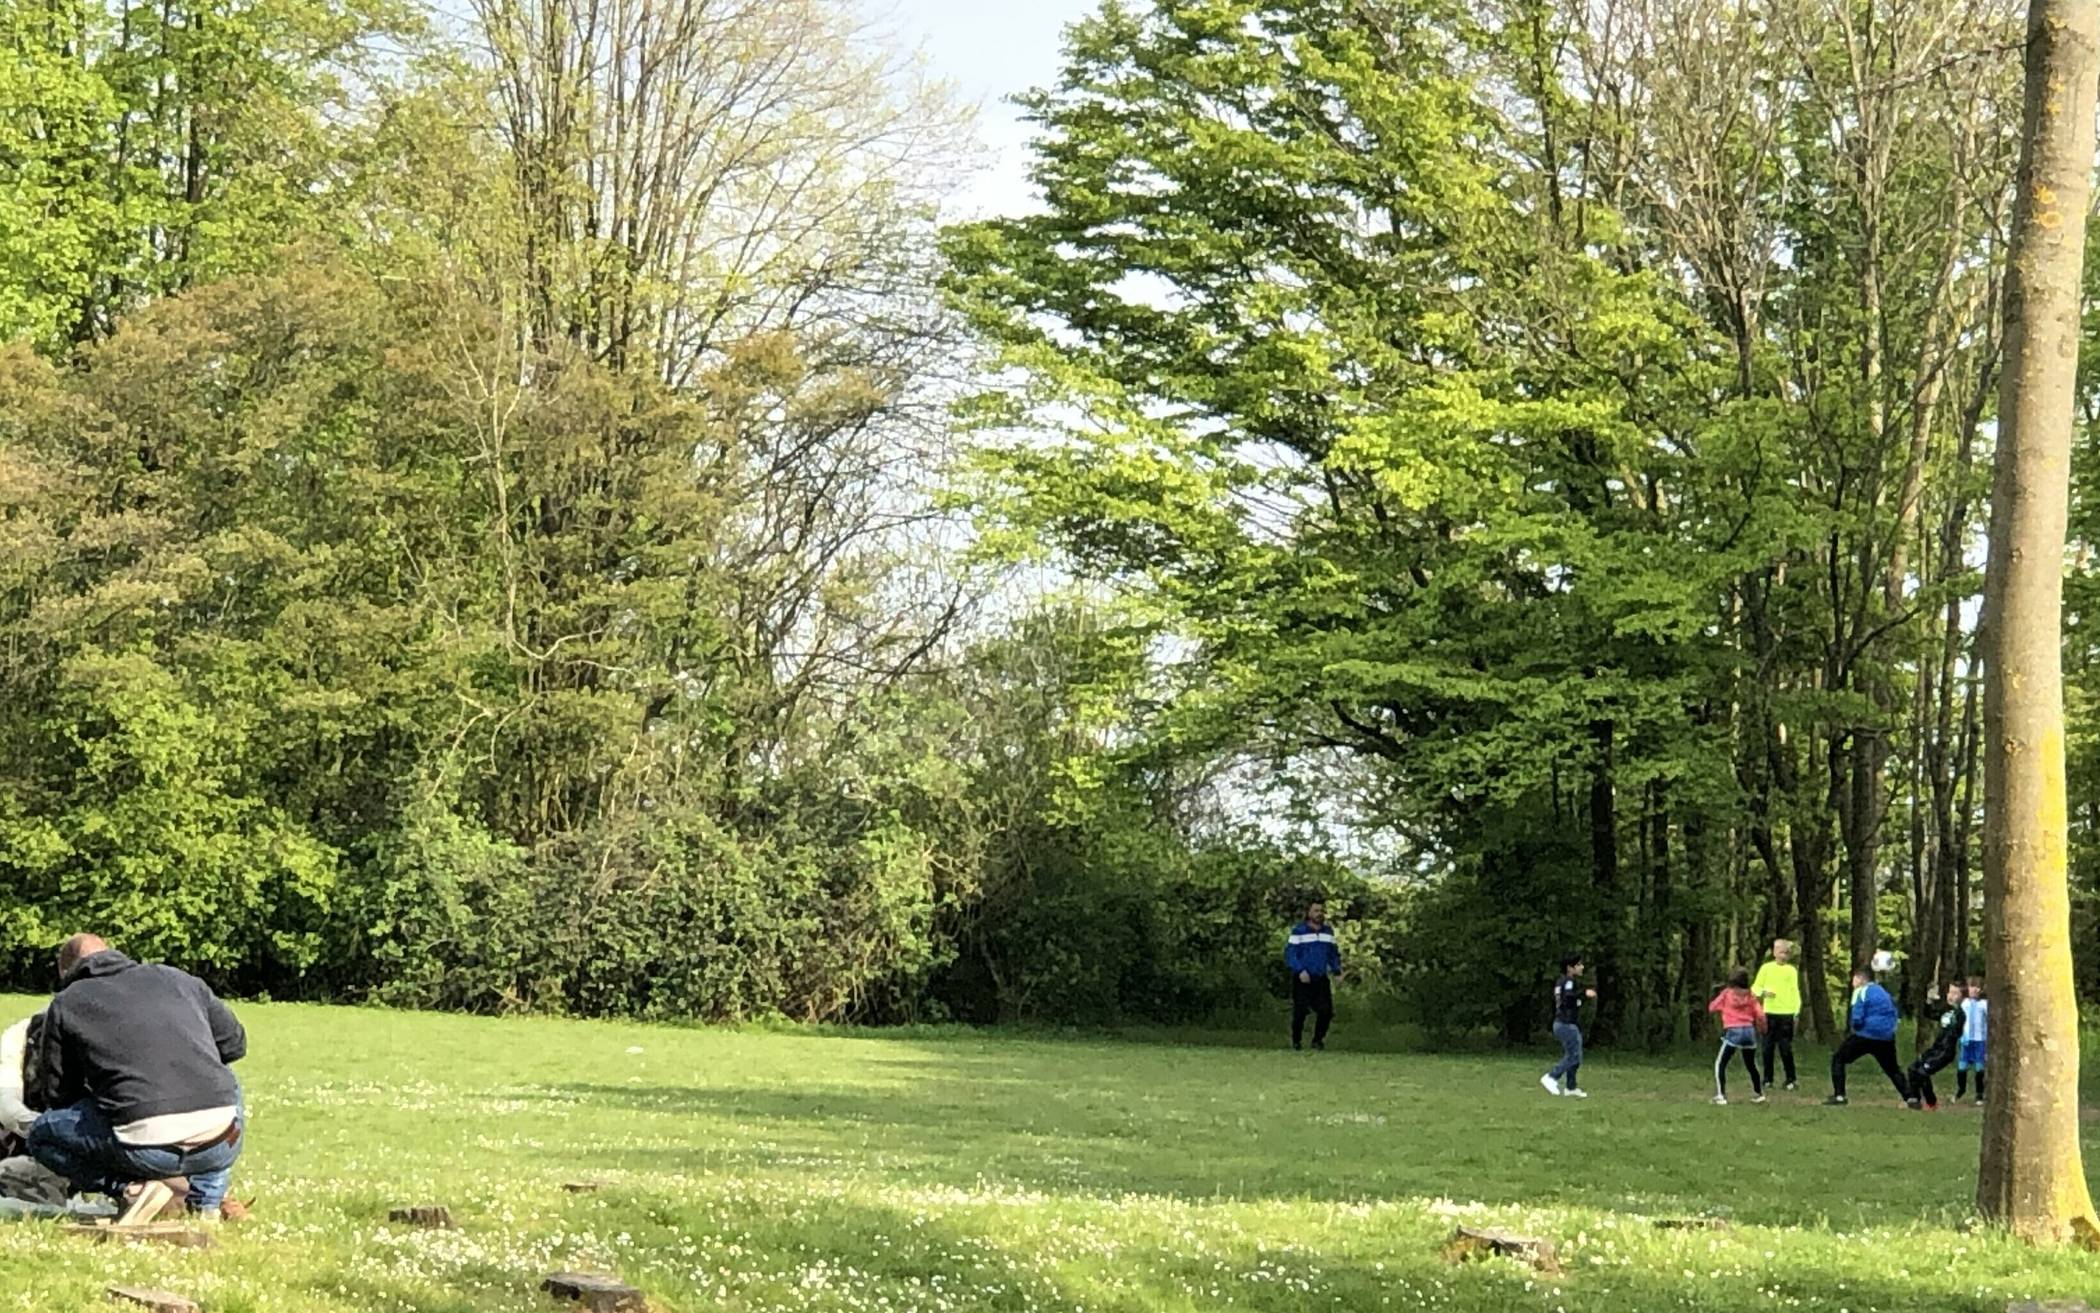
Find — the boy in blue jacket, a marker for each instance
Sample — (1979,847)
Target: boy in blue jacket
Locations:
(1872,1035)
(1314,960)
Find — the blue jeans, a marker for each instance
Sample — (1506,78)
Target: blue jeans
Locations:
(1570,1037)
(79,1144)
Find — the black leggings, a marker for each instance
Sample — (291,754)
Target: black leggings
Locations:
(1882,1051)
(1728,1051)
(1779,1034)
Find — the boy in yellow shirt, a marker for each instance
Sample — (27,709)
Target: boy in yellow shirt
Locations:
(1778,987)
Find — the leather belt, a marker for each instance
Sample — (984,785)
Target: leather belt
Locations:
(231,1135)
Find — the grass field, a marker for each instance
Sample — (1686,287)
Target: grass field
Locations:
(782,1171)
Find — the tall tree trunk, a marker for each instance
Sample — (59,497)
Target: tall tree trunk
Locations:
(1700,951)
(1604,869)
(1932,812)
(1965,829)
(1808,845)
(1658,1017)
(1863,816)
(2032,1177)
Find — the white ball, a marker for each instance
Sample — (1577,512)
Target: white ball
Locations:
(1883,960)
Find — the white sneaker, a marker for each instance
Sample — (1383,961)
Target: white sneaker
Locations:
(144,1201)
(1758,1099)
(1576,1094)
(1720,1100)
(1552,1085)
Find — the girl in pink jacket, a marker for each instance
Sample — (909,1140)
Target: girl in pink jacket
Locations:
(1742,1018)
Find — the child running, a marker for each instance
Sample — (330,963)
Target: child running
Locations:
(1938,1053)
(1567,1028)
(1742,1017)
(1975,1030)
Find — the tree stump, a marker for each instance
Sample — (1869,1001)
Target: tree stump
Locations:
(596,1293)
(1482,1242)
(430,1216)
(158,1301)
(174,1234)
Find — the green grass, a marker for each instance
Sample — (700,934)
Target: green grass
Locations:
(782,1171)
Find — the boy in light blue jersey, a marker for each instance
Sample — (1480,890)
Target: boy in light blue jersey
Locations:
(1976,1029)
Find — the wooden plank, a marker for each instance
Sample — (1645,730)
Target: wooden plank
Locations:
(432,1216)
(1692,1223)
(174,1234)
(599,1294)
(1470,1242)
(2050,1306)
(158,1301)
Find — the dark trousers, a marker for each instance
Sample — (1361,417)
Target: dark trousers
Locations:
(1921,1078)
(1779,1035)
(1882,1051)
(79,1144)
(1317,997)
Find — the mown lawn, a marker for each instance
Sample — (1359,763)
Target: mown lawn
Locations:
(778,1171)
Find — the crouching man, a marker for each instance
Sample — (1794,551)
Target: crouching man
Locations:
(144,1103)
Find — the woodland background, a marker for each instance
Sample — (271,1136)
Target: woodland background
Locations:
(535,508)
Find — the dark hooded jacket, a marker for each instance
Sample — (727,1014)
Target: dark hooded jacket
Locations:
(1945,1040)
(140,1040)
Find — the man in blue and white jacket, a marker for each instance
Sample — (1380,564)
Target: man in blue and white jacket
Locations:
(1314,960)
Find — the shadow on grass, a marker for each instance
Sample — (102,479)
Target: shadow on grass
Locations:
(1087,1143)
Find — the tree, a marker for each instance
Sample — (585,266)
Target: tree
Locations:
(1831,179)
(145,148)
(2032,1177)
(1362,385)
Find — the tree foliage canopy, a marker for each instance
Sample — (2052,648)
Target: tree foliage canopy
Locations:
(520,512)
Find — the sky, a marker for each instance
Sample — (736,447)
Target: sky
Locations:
(987,50)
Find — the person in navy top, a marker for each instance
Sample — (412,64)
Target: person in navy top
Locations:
(1314,960)
(1568,998)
